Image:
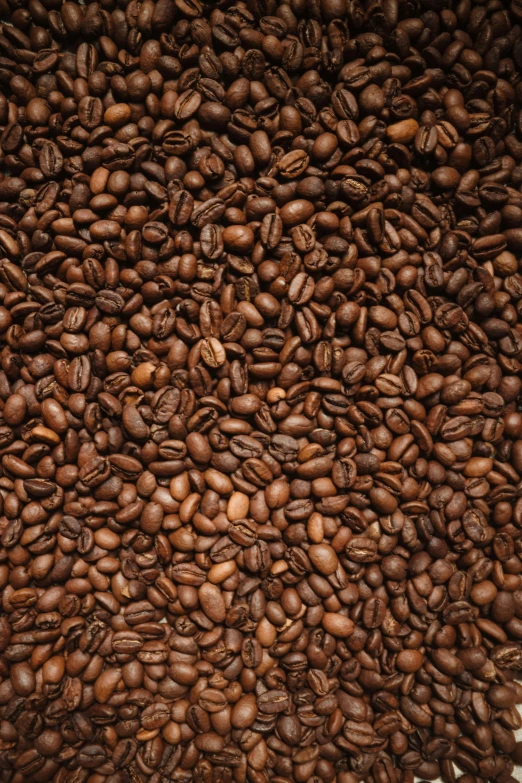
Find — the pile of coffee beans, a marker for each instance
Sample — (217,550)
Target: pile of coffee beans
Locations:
(260,391)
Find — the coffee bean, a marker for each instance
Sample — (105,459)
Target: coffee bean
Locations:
(259,388)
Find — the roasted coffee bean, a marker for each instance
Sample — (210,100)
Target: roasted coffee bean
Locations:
(260,384)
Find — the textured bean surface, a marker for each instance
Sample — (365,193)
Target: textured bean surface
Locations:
(260,391)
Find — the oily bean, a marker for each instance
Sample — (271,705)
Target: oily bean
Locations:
(260,383)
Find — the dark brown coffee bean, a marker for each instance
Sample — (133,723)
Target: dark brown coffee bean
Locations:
(259,385)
